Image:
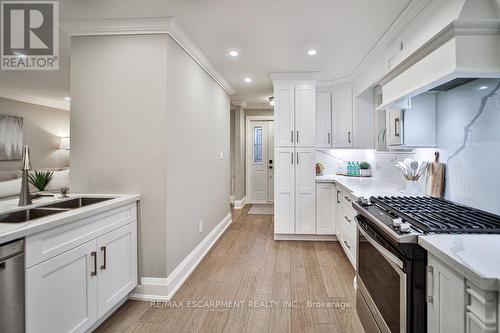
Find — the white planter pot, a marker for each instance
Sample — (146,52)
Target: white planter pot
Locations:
(364,172)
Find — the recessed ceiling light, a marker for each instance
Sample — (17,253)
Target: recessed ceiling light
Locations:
(483,87)
(312,52)
(247,79)
(233,53)
(67,98)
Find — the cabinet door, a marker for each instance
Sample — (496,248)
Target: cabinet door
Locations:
(305,115)
(323,120)
(342,114)
(284,191)
(284,114)
(305,197)
(326,203)
(61,293)
(446,299)
(117,271)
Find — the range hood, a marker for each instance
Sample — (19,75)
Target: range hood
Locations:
(466,49)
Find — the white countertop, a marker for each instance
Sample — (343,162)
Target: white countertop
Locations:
(11,231)
(364,186)
(476,257)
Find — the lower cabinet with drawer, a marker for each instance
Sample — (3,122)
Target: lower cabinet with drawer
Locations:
(71,291)
(346,225)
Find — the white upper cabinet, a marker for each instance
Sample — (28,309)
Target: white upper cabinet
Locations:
(323,120)
(284,113)
(342,115)
(305,115)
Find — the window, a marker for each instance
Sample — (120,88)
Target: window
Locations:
(257,144)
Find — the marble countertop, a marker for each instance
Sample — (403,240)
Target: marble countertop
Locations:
(476,257)
(11,231)
(364,186)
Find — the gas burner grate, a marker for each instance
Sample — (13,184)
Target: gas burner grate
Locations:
(432,215)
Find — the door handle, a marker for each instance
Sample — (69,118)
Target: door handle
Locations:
(103,249)
(291,132)
(297,136)
(349,137)
(93,254)
(430,284)
(291,155)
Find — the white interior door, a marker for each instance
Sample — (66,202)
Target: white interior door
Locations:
(261,186)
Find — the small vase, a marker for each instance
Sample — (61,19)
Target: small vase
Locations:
(411,187)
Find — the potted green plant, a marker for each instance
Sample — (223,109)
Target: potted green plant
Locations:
(40,179)
(364,169)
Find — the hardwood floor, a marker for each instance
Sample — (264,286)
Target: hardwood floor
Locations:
(256,284)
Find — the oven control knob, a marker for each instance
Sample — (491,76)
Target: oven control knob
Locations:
(405,227)
(397,222)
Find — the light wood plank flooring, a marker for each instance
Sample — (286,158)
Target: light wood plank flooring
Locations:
(280,286)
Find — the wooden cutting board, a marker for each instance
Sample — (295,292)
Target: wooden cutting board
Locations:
(434,185)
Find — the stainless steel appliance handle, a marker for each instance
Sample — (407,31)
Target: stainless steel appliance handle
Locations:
(429,293)
(388,255)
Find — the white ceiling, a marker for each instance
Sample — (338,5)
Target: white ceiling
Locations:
(271,36)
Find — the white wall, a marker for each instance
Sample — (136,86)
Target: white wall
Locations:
(197,133)
(119,130)
(42,129)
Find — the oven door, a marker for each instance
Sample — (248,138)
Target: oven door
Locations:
(382,281)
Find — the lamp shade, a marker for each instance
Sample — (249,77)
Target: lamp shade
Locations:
(64,143)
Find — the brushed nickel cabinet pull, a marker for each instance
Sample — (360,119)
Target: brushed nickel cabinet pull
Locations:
(329,135)
(291,135)
(297,157)
(297,136)
(430,284)
(349,137)
(93,254)
(103,249)
(347,244)
(291,155)
(347,219)
(338,192)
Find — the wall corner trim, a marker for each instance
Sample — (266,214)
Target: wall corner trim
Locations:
(148,26)
(164,289)
(239,204)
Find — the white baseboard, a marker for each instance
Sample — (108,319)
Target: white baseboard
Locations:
(239,204)
(322,238)
(163,289)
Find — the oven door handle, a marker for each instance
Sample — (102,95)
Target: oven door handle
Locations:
(388,255)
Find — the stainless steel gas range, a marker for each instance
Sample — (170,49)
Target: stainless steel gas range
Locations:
(391,266)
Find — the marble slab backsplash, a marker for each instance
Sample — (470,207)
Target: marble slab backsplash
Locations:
(468,137)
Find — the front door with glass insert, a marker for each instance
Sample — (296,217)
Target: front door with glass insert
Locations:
(261,164)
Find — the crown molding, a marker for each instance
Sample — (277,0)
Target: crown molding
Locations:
(294,76)
(241,103)
(7,94)
(394,30)
(259,106)
(148,26)
(336,83)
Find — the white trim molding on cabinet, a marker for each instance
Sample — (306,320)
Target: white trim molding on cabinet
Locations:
(148,26)
(164,289)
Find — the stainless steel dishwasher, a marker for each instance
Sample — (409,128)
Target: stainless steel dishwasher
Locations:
(12,287)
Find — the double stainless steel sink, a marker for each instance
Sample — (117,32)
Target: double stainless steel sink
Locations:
(48,209)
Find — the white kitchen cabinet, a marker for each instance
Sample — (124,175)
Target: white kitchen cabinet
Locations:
(284,191)
(342,118)
(305,115)
(305,180)
(445,298)
(326,208)
(76,273)
(284,114)
(117,273)
(61,293)
(323,120)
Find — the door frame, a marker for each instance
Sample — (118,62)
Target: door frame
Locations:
(248,120)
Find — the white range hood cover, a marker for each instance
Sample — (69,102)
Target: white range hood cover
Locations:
(469,46)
